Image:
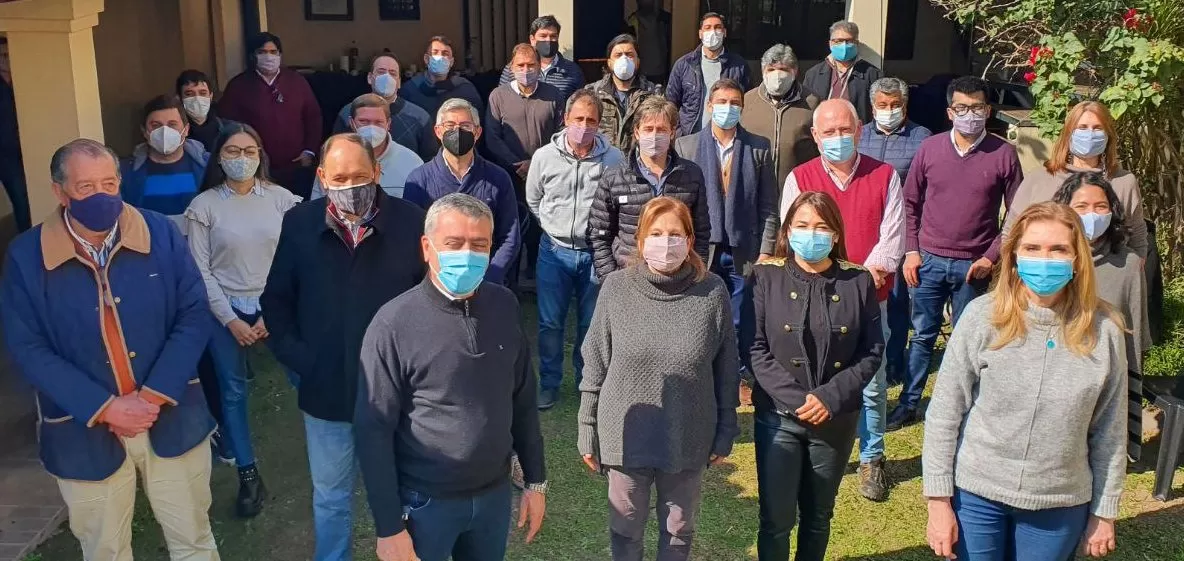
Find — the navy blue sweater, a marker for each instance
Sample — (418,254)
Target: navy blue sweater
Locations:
(447,394)
(487,182)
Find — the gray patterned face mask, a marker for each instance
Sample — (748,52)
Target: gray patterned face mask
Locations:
(239,169)
(356,199)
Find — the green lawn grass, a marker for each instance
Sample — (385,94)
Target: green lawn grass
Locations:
(576,524)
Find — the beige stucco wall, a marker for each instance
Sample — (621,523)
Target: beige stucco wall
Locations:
(138,54)
(319,43)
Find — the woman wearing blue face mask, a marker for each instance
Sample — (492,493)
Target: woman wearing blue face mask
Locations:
(817,343)
(1088,142)
(1025,437)
(1120,276)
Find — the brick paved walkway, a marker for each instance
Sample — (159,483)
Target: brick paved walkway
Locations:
(31,506)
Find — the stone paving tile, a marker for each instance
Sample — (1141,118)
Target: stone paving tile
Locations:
(30,504)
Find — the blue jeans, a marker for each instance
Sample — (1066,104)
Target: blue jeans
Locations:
(467,529)
(899,324)
(873,419)
(724,265)
(230,365)
(333,467)
(993,531)
(561,274)
(941,279)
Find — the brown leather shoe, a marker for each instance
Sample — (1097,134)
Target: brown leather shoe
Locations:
(873,484)
(745,395)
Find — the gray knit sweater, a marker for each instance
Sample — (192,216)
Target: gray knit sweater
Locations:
(660,372)
(1031,425)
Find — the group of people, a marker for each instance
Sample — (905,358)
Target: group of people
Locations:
(789,242)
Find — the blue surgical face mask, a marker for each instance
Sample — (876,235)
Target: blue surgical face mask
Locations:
(1095,224)
(844,52)
(725,116)
(439,65)
(461,271)
(838,149)
(1043,276)
(1085,143)
(811,245)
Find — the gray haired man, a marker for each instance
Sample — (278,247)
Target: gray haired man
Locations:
(780,110)
(843,74)
(447,394)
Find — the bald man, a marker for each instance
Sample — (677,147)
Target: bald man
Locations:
(339,259)
(869,195)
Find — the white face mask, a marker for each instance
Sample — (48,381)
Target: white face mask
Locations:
(165,140)
(777,82)
(267,63)
(624,68)
(373,135)
(890,119)
(713,40)
(197,107)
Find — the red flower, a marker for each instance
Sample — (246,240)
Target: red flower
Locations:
(1130,19)
(1034,55)
(1030,77)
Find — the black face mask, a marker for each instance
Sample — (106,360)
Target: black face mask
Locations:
(459,142)
(547,49)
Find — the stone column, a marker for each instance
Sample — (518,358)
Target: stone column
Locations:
(565,12)
(871,16)
(684,28)
(55,81)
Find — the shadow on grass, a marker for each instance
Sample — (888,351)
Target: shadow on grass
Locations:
(1152,535)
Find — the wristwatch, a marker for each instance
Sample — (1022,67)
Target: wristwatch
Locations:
(540,488)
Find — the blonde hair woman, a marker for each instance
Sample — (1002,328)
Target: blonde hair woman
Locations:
(1025,449)
(1088,142)
(660,358)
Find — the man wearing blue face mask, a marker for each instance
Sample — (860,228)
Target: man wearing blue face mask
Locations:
(741,193)
(410,125)
(843,75)
(868,193)
(105,315)
(339,259)
(437,473)
(437,83)
(370,118)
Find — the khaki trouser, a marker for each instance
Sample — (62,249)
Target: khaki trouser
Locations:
(178,490)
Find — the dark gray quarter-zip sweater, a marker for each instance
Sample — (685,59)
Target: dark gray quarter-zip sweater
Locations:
(447,394)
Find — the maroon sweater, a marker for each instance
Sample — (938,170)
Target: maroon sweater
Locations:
(861,205)
(288,127)
(951,203)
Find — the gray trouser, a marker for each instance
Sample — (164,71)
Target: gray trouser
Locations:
(629,507)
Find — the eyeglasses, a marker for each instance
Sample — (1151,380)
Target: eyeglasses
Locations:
(235,151)
(467,127)
(979,109)
(277,95)
(843,41)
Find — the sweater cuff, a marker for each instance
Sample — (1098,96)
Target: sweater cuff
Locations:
(586,441)
(911,244)
(1105,507)
(388,526)
(723,444)
(937,486)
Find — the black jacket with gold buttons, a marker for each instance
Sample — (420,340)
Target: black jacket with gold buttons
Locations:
(814,333)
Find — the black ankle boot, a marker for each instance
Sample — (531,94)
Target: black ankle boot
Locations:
(251,493)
